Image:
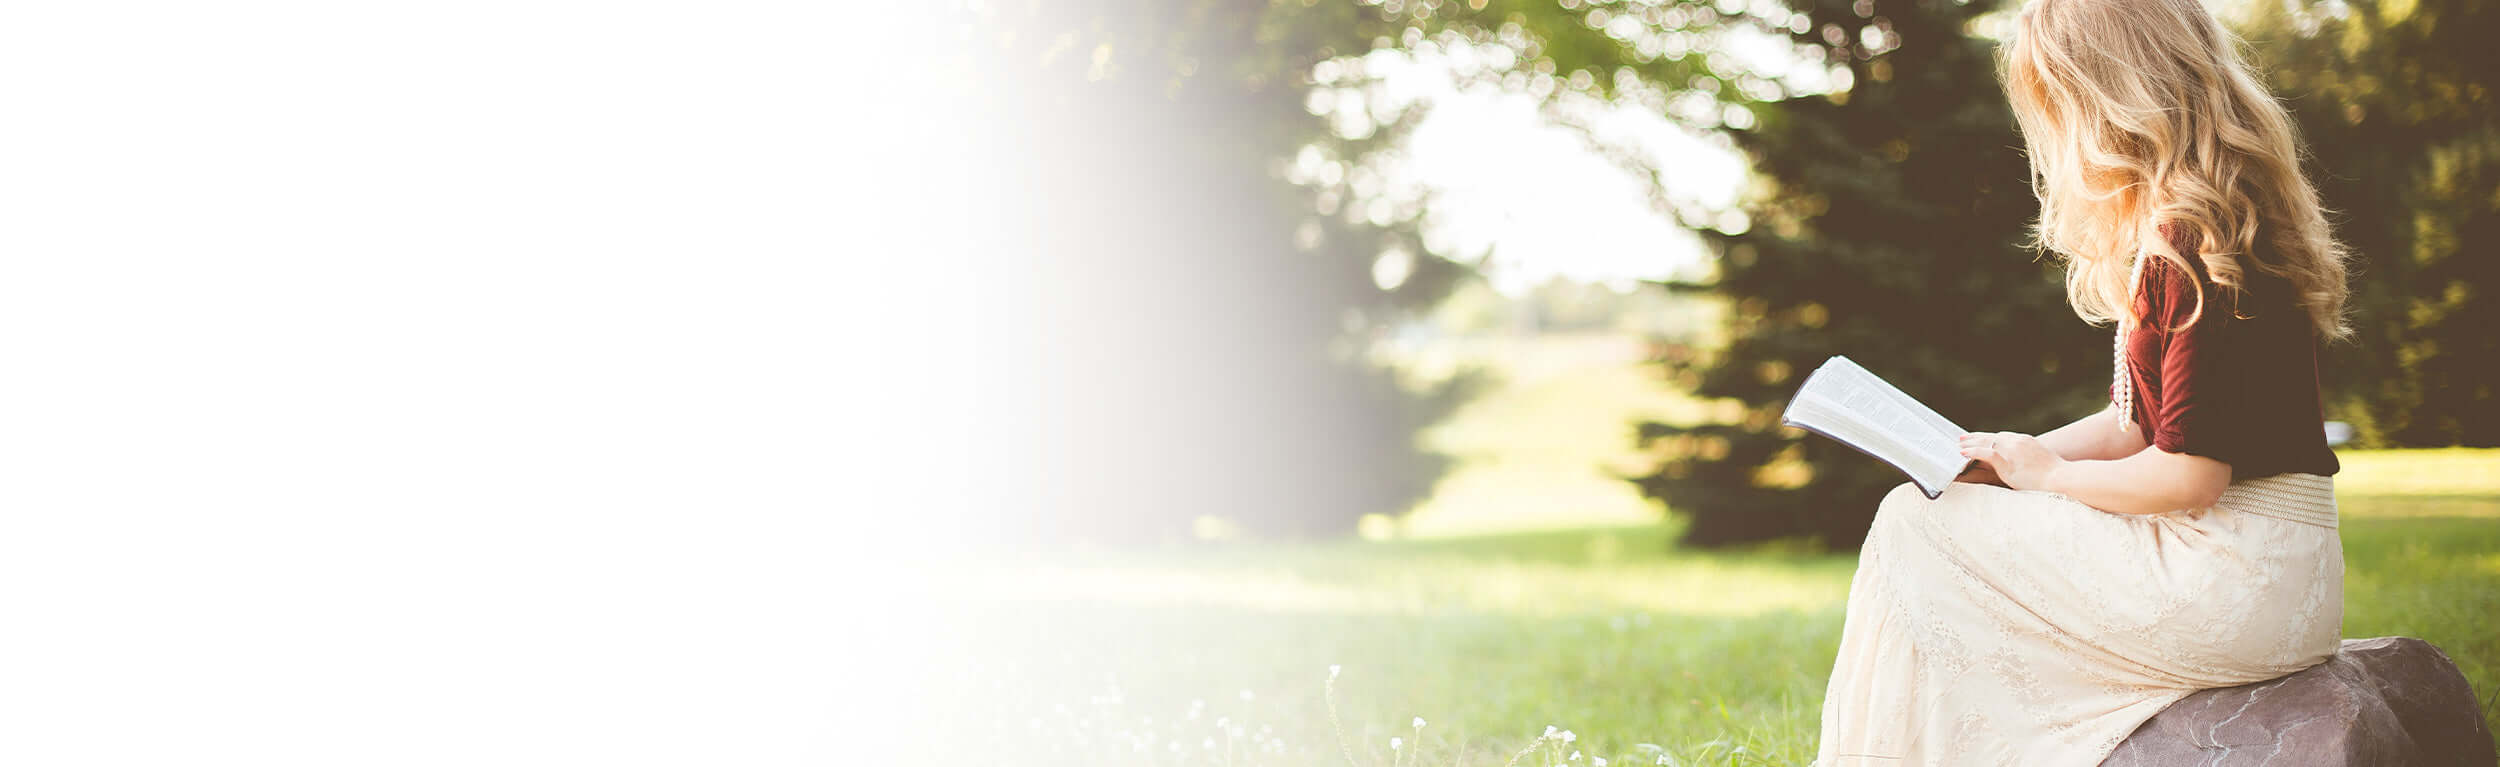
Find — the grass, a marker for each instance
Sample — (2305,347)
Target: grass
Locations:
(1640,649)
(1545,448)
(1606,632)
(1573,614)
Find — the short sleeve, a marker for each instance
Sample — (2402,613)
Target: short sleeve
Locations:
(2195,413)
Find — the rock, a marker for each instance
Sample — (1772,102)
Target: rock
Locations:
(2384,701)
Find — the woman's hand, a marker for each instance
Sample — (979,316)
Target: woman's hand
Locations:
(2019,460)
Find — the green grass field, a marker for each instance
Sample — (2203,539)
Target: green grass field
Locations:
(1645,653)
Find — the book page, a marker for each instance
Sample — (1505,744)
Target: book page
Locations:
(1845,402)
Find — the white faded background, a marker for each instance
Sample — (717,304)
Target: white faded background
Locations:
(554,382)
(463,382)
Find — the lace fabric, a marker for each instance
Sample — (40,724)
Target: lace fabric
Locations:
(1992,626)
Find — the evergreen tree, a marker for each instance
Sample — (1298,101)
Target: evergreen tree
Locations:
(1890,210)
(1889,227)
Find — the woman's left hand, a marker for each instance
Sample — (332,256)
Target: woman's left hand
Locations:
(2018,459)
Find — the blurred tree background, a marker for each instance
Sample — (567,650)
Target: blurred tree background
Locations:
(1177,325)
(2397,101)
(1219,252)
(1888,221)
(1888,213)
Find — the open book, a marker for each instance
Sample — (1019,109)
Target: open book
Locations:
(1844,402)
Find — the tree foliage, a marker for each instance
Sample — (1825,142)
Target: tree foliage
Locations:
(2400,103)
(1888,227)
(1888,216)
(1180,324)
(1886,223)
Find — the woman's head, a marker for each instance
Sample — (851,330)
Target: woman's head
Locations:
(2139,115)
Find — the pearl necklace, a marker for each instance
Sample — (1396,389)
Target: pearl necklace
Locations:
(2122,380)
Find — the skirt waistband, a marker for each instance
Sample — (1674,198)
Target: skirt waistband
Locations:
(2308,499)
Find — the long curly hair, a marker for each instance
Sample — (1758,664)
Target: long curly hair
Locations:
(2141,116)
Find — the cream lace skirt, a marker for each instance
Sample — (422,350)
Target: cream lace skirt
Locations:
(1997,627)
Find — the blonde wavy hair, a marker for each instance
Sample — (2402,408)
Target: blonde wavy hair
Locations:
(2141,116)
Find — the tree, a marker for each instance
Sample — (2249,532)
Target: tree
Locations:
(2400,103)
(1173,331)
(1888,227)
(1887,224)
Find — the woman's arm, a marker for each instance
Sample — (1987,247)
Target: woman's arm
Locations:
(2094,437)
(2090,438)
(2151,481)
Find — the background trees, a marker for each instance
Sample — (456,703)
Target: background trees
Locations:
(1170,331)
(1888,211)
(1886,226)
(1222,291)
(1885,223)
(2398,103)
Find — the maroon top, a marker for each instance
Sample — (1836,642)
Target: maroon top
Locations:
(2239,386)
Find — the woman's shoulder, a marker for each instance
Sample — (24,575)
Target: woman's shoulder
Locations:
(2189,246)
(2179,293)
(2169,292)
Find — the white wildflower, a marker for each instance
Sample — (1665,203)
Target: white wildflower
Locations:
(1597,761)
(1419,723)
(1396,743)
(1332,671)
(1567,736)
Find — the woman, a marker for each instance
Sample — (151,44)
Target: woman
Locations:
(2183,538)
